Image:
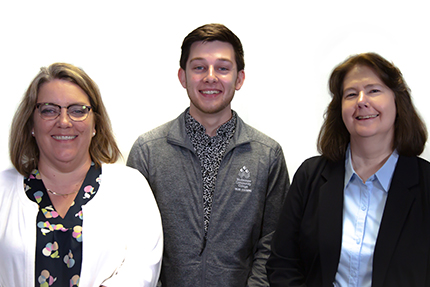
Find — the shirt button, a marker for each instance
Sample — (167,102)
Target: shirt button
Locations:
(363,207)
(357,240)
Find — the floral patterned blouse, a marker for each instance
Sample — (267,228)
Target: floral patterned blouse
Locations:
(59,240)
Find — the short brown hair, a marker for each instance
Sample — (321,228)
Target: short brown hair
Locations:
(23,149)
(209,33)
(410,133)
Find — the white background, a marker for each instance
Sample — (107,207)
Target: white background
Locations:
(131,49)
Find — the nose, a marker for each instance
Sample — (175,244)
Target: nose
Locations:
(63,119)
(362,100)
(211,76)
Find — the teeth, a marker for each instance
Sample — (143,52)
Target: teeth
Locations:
(210,92)
(366,117)
(64,137)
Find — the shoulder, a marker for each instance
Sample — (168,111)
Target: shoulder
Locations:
(172,130)
(253,135)
(314,162)
(10,183)
(117,169)
(160,132)
(9,177)
(126,180)
(9,174)
(120,176)
(424,170)
(423,164)
(411,166)
(314,166)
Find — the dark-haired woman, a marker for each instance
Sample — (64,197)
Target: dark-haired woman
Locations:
(359,214)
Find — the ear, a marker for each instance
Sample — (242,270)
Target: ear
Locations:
(240,79)
(182,78)
(94,128)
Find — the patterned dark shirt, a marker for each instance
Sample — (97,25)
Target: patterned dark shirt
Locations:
(210,151)
(59,240)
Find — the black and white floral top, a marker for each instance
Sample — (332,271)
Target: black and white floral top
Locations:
(59,240)
(210,151)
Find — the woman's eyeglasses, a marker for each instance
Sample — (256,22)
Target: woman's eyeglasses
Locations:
(50,111)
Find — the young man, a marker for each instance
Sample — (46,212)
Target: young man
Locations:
(218,182)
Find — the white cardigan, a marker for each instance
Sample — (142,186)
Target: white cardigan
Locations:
(122,233)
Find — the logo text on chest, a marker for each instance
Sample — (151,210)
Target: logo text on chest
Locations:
(243,181)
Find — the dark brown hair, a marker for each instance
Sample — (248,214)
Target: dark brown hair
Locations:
(23,149)
(410,133)
(209,33)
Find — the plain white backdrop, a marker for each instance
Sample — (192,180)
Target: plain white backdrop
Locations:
(131,49)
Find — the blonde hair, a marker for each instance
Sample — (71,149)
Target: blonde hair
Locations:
(23,149)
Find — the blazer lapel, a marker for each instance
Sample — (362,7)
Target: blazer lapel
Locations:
(399,202)
(330,220)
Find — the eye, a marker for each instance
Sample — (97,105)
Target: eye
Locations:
(49,110)
(199,68)
(78,110)
(374,91)
(349,95)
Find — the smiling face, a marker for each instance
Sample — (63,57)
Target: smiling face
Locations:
(368,105)
(211,79)
(63,141)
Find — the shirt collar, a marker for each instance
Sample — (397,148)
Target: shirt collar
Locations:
(225,131)
(384,174)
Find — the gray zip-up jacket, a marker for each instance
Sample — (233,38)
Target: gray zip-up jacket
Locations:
(251,185)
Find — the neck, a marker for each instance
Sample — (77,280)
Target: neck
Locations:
(211,122)
(64,183)
(368,157)
(63,177)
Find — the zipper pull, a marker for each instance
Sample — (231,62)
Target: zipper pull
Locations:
(204,246)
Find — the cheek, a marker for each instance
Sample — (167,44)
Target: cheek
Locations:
(84,127)
(92,123)
(387,103)
(35,123)
(387,107)
(346,110)
(228,81)
(393,106)
(193,79)
(393,113)
(41,126)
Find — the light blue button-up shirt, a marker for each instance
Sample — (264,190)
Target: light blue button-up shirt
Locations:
(363,207)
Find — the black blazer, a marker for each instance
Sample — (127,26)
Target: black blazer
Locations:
(307,243)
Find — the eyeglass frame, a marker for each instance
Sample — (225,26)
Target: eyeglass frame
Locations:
(38,105)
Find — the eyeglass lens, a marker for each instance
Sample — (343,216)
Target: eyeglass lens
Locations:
(75,112)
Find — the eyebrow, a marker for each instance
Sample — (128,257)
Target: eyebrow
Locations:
(54,104)
(218,59)
(367,86)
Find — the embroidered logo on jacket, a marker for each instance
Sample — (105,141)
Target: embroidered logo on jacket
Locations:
(243,181)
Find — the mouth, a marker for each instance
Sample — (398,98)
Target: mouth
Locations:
(367,117)
(64,138)
(210,92)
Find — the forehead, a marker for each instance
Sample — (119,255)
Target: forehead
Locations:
(211,51)
(61,92)
(361,74)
